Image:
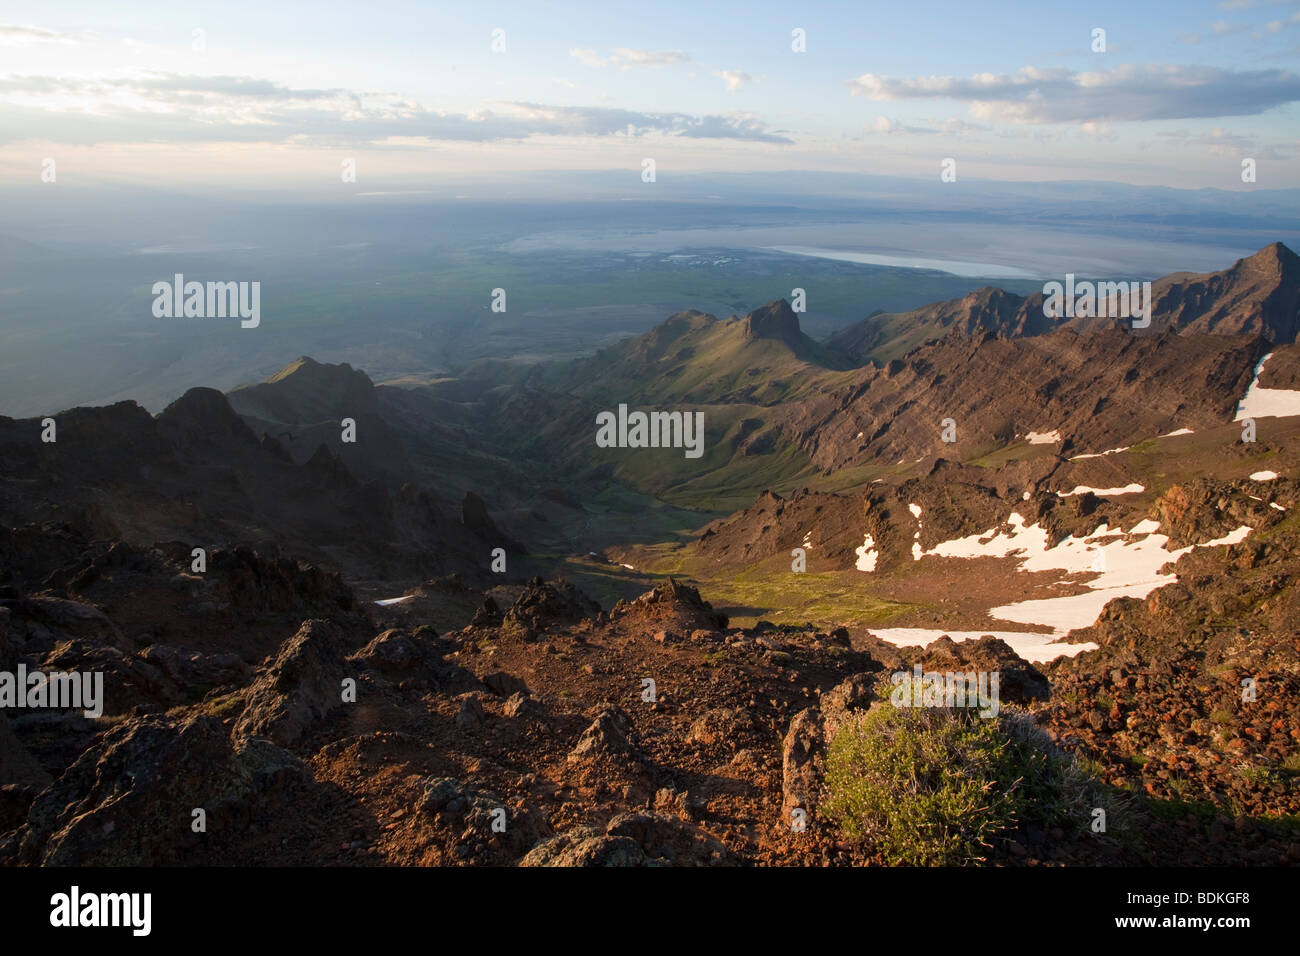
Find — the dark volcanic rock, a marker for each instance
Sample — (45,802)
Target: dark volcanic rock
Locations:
(128,800)
(672,602)
(394,652)
(17,766)
(488,615)
(851,696)
(302,686)
(1019,682)
(543,603)
(606,736)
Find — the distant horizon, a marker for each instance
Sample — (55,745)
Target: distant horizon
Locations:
(240,96)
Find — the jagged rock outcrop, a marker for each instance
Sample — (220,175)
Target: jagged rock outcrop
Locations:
(1257,296)
(670,603)
(606,736)
(302,686)
(543,603)
(129,799)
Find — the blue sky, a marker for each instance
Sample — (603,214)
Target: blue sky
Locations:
(1013,91)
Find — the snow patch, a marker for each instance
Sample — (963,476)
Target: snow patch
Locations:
(1267,402)
(1043,438)
(1030,646)
(867,555)
(1264,476)
(1131,489)
(1124,564)
(1232,537)
(1101,454)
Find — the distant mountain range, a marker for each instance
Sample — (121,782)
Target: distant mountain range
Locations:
(949,472)
(1258,295)
(268,460)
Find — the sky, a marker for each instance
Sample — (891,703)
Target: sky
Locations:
(251,95)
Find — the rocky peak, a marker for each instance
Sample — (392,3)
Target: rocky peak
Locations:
(1274,260)
(776,320)
(205,410)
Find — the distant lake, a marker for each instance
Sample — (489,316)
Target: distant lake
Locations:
(996,249)
(954,266)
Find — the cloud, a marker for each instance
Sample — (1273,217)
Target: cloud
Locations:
(1222,28)
(948,127)
(165,88)
(1098,132)
(735,79)
(1125,94)
(1218,142)
(606,121)
(625,58)
(1277,26)
(883,124)
(14,35)
(733,125)
(166,107)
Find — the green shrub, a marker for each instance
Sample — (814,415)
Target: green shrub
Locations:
(930,786)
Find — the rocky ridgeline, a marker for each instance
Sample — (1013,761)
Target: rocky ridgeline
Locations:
(531,736)
(1191,698)
(553,733)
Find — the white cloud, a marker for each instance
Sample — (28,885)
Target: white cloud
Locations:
(1127,93)
(735,79)
(625,58)
(948,127)
(161,107)
(1217,142)
(14,35)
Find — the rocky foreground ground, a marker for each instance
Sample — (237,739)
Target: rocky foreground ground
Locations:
(551,732)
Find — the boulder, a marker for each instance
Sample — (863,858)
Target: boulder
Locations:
(607,735)
(302,686)
(803,763)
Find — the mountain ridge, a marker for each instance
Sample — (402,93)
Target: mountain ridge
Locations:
(1257,295)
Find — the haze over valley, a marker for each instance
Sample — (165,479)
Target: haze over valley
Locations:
(719,441)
